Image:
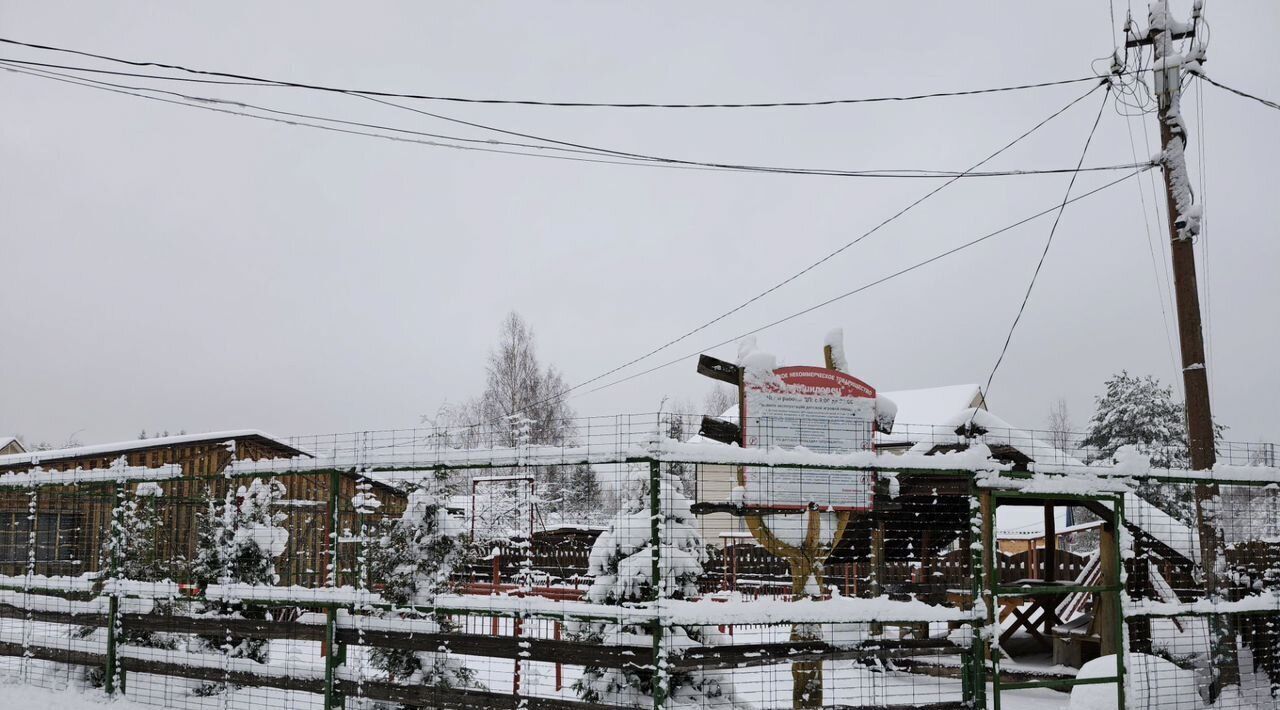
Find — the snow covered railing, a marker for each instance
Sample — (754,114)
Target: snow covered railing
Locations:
(321,596)
(59,605)
(1265,603)
(976,458)
(712,611)
(144,590)
(40,582)
(38,476)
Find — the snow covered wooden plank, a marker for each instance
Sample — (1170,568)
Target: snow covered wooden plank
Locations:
(341,596)
(1265,603)
(38,476)
(40,582)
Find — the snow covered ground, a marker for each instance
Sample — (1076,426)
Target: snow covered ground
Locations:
(21,695)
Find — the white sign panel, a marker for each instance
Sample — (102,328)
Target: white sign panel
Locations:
(823,411)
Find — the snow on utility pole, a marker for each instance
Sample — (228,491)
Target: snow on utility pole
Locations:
(1184,219)
(1184,226)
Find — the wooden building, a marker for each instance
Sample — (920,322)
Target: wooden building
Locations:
(10,445)
(68,528)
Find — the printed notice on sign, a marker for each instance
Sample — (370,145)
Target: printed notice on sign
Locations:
(822,410)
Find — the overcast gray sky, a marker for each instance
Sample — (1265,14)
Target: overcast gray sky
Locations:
(166,267)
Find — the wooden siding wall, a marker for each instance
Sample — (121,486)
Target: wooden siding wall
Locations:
(304,561)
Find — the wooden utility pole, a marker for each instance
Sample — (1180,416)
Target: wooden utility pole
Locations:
(1184,227)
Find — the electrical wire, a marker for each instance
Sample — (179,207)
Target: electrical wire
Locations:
(829,255)
(609,157)
(1048,243)
(1265,102)
(864,287)
(249,79)
(1164,292)
(304,124)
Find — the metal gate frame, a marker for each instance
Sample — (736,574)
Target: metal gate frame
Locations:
(993,590)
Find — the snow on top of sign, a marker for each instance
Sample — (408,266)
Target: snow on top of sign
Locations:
(757,365)
(835,341)
(35,457)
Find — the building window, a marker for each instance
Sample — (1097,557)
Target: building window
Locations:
(57,535)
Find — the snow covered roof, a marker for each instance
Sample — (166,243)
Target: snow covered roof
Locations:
(921,410)
(7,440)
(998,432)
(35,457)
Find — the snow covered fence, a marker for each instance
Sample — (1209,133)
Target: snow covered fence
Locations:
(326,580)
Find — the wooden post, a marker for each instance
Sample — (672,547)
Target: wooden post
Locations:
(516,627)
(495,627)
(559,666)
(876,583)
(1050,544)
(1107,615)
(990,577)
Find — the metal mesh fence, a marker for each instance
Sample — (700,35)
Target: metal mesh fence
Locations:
(391,570)
(615,436)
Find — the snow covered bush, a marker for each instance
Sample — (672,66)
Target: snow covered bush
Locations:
(414,559)
(237,543)
(138,522)
(622,565)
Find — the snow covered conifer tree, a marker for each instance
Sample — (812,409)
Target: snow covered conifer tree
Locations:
(140,560)
(238,543)
(1139,412)
(140,522)
(137,559)
(621,562)
(414,559)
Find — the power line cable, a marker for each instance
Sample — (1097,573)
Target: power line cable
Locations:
(864,287)
(613,157)
(639,156)
(1265,102)
(1048,243)
(829,255)
(522,102)
(304,124)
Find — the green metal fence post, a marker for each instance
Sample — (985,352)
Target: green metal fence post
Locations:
(655,534)
(1118,596)
(114,544)
(975,657)
(332,657)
